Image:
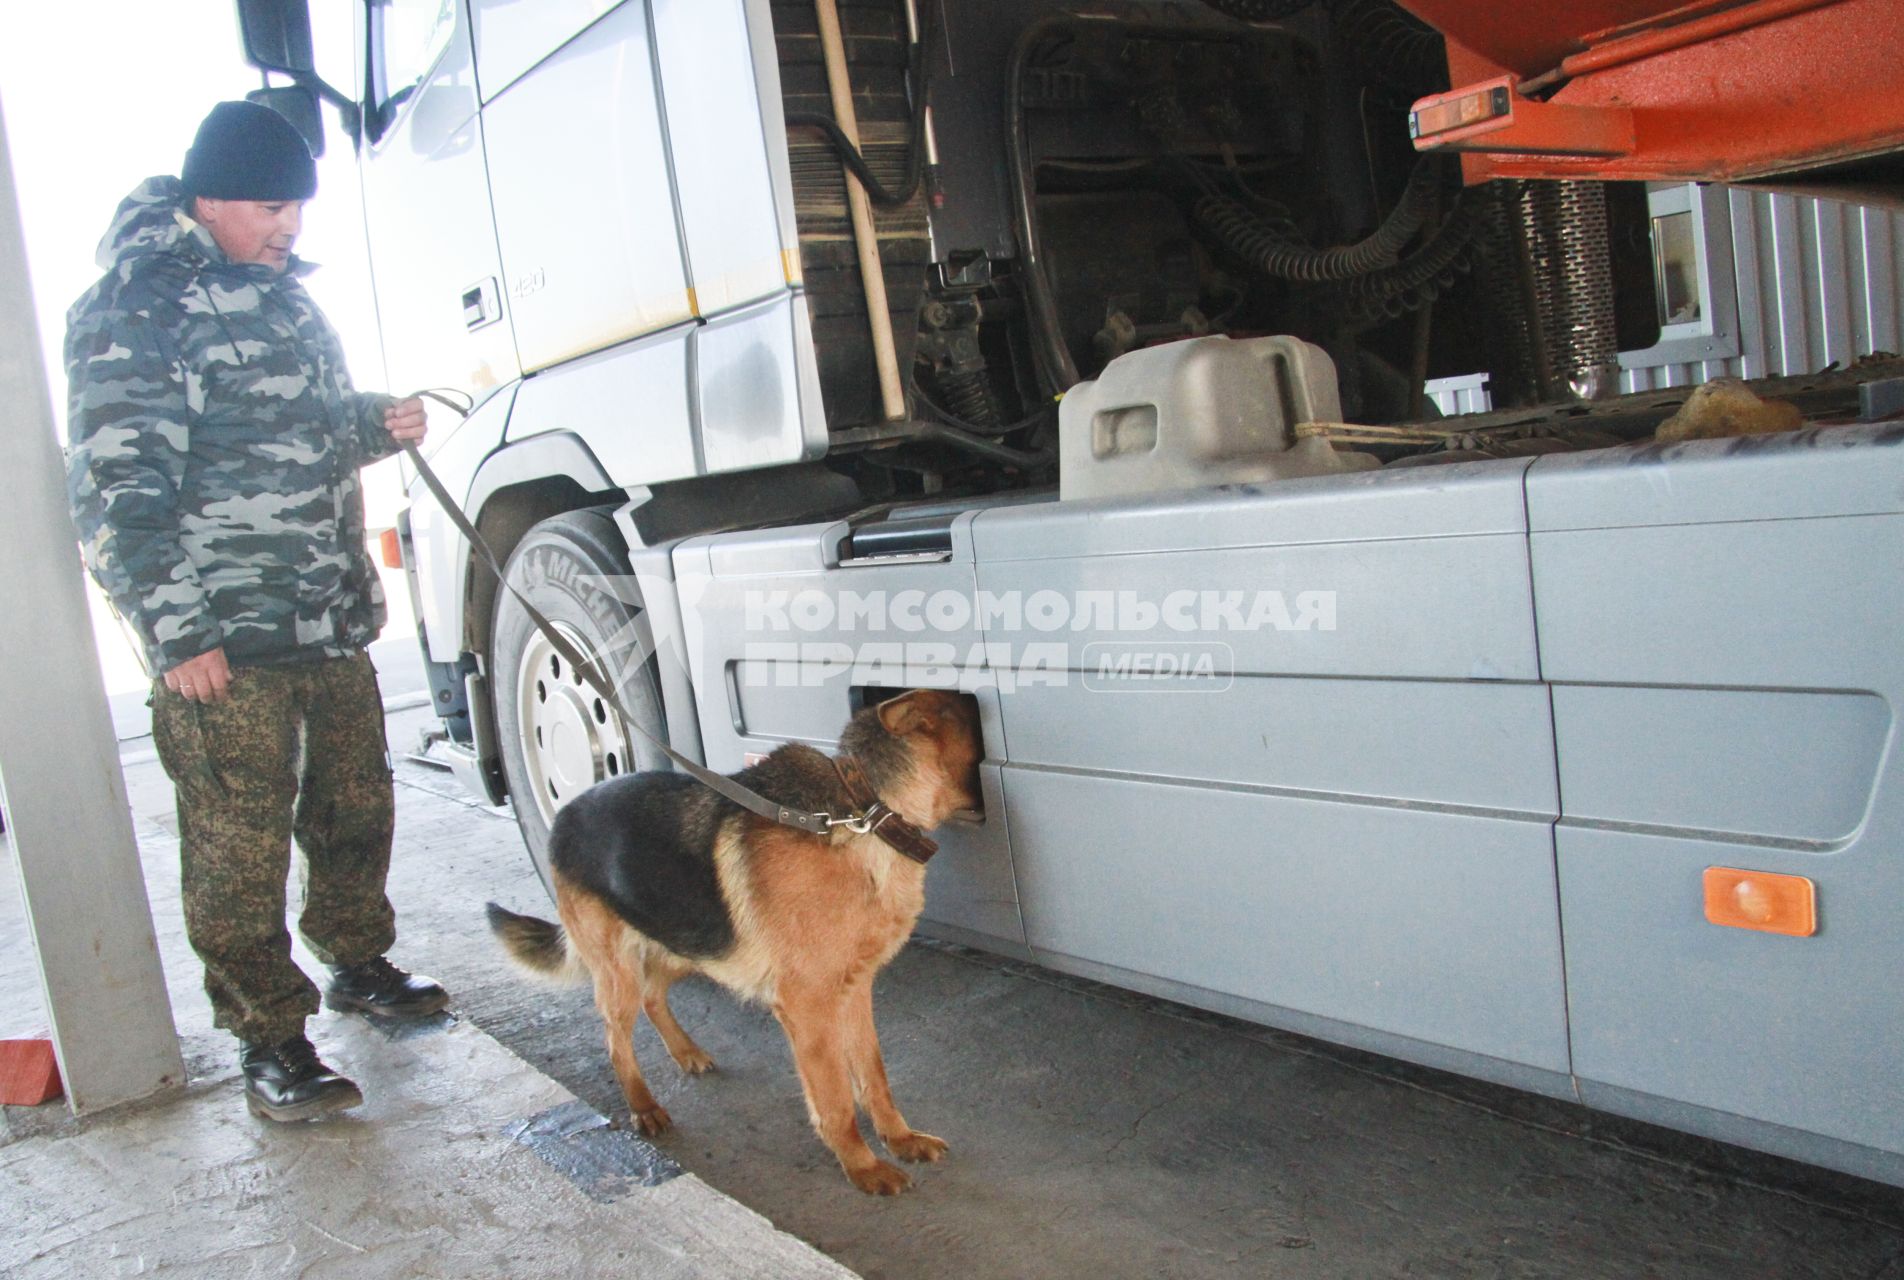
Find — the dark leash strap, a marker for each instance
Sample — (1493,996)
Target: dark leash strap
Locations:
(818,824)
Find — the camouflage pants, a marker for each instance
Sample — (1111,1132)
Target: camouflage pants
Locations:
(295,751)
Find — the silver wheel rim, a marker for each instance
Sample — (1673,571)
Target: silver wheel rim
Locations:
(569,737)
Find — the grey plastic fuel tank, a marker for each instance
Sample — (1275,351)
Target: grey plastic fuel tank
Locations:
(1720,623)
(1203,411)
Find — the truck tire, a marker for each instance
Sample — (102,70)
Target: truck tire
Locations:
(556,735)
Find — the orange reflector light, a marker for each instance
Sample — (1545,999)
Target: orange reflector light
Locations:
(392,549)
(1489,103)
(1761,900)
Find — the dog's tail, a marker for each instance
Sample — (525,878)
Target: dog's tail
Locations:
(536,945)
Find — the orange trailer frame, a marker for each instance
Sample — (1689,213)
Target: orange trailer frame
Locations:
(1724,90)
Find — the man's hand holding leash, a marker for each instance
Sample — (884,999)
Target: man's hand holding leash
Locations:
(406,421)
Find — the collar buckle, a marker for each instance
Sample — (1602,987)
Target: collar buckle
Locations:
(862,824)
(876,817)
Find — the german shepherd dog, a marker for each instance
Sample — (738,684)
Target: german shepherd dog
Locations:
(657,876)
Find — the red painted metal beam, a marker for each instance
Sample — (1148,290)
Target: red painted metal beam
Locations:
(1620,48)
(1494,117)
(1529,36)
(1751,91)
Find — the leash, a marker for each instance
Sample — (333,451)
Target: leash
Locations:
(870,820)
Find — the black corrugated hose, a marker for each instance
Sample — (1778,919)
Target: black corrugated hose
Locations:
(1269,249)
(1419,278)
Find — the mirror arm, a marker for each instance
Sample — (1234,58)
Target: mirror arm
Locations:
(349,113)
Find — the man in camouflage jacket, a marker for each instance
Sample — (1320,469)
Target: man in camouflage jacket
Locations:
(215,444)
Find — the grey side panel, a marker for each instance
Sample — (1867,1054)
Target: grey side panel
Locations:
(970,885)
(630,403)
(1369,506)
(1703,759)
(1847,1157)
(654,578)
(1351,823)
(783,640)
(779,635)
(748,382)
(1724,691)
(558,453)
(1801,1032)
(1400,742)
(1435,926)
(1514,1074)
(1823,471)
(1440,608)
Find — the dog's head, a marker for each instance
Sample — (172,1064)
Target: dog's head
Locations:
(922,751)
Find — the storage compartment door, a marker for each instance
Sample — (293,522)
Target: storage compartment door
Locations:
(1341,823)
(1725,685)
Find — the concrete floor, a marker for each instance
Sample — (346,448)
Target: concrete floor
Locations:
(462,1162)
(1094,1133)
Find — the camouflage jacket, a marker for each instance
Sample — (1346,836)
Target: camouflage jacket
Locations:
(214,446)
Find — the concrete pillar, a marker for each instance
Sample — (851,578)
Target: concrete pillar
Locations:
(63,790)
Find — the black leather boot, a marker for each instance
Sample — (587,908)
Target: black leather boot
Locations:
(289,1082)
(379,988)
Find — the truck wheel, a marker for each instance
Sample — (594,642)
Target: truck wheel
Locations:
(557,736)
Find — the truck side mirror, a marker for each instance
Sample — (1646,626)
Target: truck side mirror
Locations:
(277,35)
(298,105)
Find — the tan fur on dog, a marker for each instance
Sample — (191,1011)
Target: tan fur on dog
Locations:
(814,920)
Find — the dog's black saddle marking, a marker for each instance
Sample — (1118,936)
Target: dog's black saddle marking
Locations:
(644,844)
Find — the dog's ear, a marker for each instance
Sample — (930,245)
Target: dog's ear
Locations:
(906,713)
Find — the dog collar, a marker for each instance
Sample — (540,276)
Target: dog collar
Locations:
(878,818)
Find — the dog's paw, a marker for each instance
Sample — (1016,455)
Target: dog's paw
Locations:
(917,1147)
(880,1179)
(653,1122)
(695,1061)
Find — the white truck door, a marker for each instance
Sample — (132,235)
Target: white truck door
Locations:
(584,203)
(645,227)
(441,297)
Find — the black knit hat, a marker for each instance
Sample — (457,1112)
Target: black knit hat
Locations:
(247,151)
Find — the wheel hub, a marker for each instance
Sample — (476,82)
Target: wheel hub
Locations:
(570,738)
